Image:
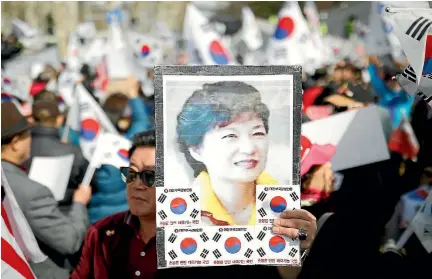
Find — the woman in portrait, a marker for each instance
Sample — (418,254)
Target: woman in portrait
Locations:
(222,130)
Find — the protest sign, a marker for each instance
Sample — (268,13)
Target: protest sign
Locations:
(228,146)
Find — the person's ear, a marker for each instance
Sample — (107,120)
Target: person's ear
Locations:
(195,152)
(14,144)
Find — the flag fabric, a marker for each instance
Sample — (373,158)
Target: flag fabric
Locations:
(111,150)
(207,42)
(93,121)
(404,141)
(312,16)
(19,244)
(102,78)
(120,60)
(284,46)
(251,33)
(73,60)
(412,30)
(348,134)
(147,50)
(408,81)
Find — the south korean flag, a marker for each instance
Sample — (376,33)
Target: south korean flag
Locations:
(272,200)
(233,245)
(408,81)
(188,244)
(177,206)
(272,249)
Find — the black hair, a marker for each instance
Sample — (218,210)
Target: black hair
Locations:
(143,139)
(211,106)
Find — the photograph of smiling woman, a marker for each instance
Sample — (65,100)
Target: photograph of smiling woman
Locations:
(222,130)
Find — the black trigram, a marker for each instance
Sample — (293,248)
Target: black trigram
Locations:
(418,29)
(172,238)
(162,214)
(262,212)
(261,252)
(217,237)
(204,237)
(409,74)
(248,253)
(194,197)
(261,235)
(248,236)
(294,196)
(194,213)
(262,196)
(172,254)
(162,198)
(217,254)
(204,253)
(424,97)
(293,252)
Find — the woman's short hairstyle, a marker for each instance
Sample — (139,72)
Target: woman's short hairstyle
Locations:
(216,104)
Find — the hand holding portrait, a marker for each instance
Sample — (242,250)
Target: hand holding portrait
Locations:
(291,222)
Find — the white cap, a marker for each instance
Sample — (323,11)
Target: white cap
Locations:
(36,70)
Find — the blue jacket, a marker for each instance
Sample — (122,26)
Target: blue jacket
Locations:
(399,103)
(73,137)
(110,197)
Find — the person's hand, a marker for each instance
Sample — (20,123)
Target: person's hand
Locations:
(133,85)
(83,194)
(321,179)
(373,59)
(291,221)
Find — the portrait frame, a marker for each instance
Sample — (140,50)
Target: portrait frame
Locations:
(210,71)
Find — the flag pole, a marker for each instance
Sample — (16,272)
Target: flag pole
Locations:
(406,10)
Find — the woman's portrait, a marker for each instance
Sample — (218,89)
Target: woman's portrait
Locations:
(228,136)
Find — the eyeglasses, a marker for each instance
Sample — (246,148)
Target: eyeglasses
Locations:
(147,177)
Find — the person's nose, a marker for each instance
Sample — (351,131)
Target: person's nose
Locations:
(247,145)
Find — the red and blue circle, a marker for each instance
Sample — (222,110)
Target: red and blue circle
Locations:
(124,154)
(218,53)
(178,206)
(145,50)
(284,28)
(232,245)
(188,246)
(278,204)
(427,67)
(277,244)
(6,97)
(89,129)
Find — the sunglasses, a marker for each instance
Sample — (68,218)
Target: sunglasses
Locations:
(147,177)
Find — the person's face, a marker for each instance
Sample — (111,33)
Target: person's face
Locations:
(347,75)
(141,198)
(236,152)
(338,75)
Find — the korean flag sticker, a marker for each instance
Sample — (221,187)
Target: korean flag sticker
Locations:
(272,200)
(177,206)
(233,245)
(273,249)
(188,246)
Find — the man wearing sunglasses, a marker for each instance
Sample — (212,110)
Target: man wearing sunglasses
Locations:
(124,245)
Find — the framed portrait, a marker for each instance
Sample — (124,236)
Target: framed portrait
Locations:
(227,163)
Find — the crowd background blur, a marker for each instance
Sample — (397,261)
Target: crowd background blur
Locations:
(81,76)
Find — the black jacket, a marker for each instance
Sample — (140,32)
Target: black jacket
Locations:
(46,143)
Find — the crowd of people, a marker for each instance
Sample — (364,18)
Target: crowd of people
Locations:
(107,229)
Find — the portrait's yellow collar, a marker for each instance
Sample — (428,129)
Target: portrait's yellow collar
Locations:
(211,203)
